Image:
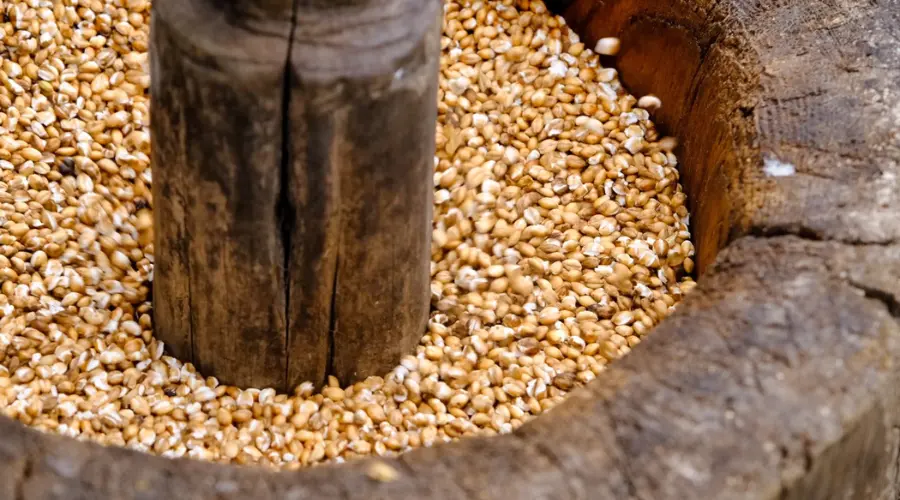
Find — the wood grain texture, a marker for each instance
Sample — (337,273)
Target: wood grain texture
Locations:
(363,148)
(219,281)
(292,185)
(776,378)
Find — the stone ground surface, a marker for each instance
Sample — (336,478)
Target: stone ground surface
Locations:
(777,378)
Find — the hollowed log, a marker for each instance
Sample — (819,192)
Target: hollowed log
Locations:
(776,378)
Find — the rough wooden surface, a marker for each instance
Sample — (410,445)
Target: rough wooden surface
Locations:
(776,379)
(292,159)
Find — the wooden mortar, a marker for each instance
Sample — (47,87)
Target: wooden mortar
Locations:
(776,378)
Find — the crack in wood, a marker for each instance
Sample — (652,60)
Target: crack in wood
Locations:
(285,207)
(27,470)
(332,325)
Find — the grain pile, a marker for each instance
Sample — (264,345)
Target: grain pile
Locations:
(560,239)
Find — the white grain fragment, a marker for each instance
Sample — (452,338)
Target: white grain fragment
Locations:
(558,69)
(773,167)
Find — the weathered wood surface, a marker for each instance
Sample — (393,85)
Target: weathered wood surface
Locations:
(776,379)
(293,151)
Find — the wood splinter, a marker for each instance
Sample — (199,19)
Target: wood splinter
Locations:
(293,146)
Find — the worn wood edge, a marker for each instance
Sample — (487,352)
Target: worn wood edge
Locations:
(681,451)
(322,50)
(216,34)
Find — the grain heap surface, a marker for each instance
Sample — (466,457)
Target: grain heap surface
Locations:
(560,239)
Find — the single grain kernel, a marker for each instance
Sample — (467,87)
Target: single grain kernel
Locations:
(608,46)
(382,472)
(649,102)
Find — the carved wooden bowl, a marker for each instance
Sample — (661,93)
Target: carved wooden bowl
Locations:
(776,378)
